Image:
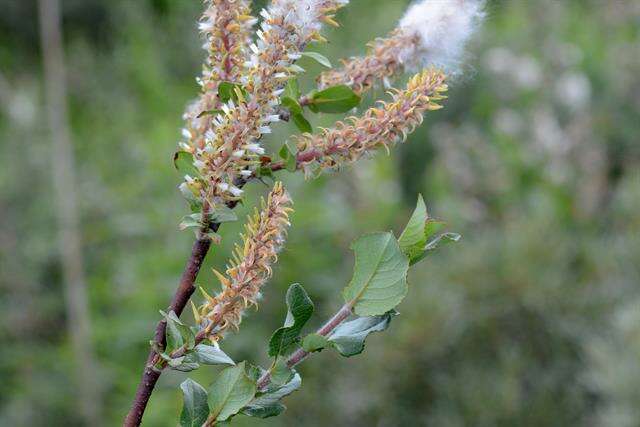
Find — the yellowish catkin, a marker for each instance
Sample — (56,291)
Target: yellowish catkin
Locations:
(378,127)
(250,268)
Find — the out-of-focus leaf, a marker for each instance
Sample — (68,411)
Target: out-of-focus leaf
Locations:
(301,123)
(210,113)
(335,99)
(190,221)
(222,213)
(292,105)
(289,158)
(292,90)
(183,162)
(321,59)
(231,91)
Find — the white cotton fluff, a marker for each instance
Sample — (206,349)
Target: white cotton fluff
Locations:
(442,27)
(303,14)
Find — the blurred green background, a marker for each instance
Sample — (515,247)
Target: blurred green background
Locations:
(532,320)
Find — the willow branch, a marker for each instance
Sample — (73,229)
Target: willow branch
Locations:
(185,290)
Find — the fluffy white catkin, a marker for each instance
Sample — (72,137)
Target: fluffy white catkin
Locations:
(432,33)
(440,30)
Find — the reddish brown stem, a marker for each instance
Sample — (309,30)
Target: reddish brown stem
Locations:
(185,289)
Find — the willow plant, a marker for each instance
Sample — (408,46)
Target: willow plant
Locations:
(249,84)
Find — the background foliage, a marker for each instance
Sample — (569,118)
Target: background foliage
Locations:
(534,319)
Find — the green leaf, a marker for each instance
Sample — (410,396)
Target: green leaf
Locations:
(268,404)
(299,310)
(210,113)
(174,332)
(285,151)
(281,373)
(190,221)
(413,240)
(313,107)
(264,411)
(212,355)
(336,99)
(222,213)
(195,409)
(219,215)
(296,69)
(292,90)
(230,392)
(379,280)
(321,59)
(178,335)
(274,394)
(349,337)
(255,372)
(289,157)
(183,162)
(432,227)
(292,105)
(173,362)
(314,342)
(301,123)
(442,239)
(229,90)
(188,363)
(264,171)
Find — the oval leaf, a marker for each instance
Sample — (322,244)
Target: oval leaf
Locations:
(379,280)
(321,59)
(349,337)
(292,105)
(413,239)
(268,404)
(212,355)
(195,409)
(299,310)
(230,392)
(314,342)
(301,123)
(336,99)
(177,332)
(183,162)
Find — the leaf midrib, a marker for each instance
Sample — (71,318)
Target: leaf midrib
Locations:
(374,270)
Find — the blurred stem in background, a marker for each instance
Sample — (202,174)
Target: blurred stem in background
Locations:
(69,241)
